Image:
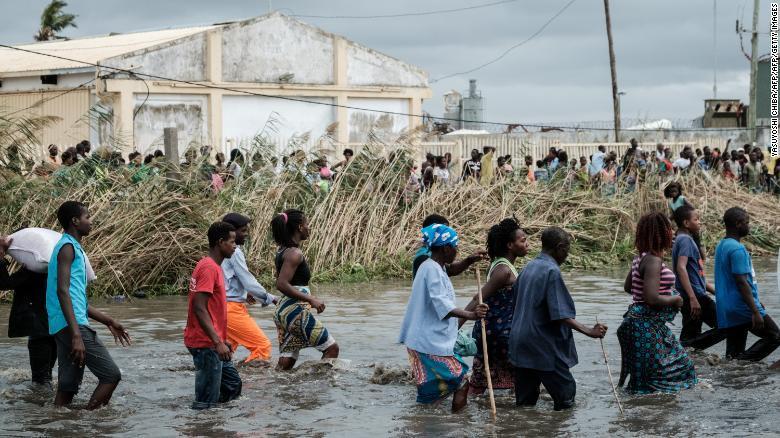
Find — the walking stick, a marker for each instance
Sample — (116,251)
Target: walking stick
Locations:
(609,372)
(485,351)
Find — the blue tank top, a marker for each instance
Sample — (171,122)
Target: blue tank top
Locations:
(78,287)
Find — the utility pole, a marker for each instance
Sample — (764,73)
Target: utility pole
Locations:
(615,97)
(753,71)
(714,49)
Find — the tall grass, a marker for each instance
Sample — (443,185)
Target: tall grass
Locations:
(149,235)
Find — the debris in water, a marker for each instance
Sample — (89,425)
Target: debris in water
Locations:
(386,375)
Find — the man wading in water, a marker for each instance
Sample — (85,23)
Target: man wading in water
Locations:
(242,289)
(68,310)
(205,336)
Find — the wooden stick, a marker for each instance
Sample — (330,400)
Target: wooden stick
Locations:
(485,351)
(609,372)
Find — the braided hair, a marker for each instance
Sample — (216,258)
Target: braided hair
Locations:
(653,233)
(499,236)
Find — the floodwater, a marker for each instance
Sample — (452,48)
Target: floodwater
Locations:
(342,399)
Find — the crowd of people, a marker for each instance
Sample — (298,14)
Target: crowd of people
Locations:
(747,165)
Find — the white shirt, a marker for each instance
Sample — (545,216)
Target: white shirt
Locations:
(441,174)
(681,163)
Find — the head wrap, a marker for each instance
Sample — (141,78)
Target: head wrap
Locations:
(437,235)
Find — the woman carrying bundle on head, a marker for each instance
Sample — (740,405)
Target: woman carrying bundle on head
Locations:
(651,354)
(430,326)
(298,328)
(505,242)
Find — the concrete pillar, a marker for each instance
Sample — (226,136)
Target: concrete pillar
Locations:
(215,121)
(342,116)
(214,56)
(125,132)
(415,107)
(339,61)
(171,142)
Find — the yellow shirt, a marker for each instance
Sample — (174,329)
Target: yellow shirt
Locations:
(487,170)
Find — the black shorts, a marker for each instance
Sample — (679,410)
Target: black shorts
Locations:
(97,360)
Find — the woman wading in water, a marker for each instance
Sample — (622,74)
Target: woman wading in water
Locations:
(651,354)
(505,242)
(298,328)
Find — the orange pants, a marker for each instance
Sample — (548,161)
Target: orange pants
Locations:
(243,330)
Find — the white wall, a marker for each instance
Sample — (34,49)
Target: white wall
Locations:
(385,126)
(244,117)
(187,112)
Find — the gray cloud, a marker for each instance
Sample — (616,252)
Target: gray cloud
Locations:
(664,48)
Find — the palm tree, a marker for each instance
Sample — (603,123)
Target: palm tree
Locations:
(53,21)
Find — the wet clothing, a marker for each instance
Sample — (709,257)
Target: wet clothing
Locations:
(737,338)
(98,360)
(302,274)
(207,278)
(216,381)
(497,325)
(559,383)
(298,328)
(242,330)
(77,290)
(691,334)
(538,338)
(28,318)
(426,327)
(732,258)
(651,355)
(437,377)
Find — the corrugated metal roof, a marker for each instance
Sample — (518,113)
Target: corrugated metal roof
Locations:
(91,49)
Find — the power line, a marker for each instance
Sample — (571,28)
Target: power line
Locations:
(335,105)
(410,14)
(507,51)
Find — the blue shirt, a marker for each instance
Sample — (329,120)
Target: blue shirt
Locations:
(684,246)
(77,290)
(597,163)
(732,258)
(538,339)
(239,281)
(426,327)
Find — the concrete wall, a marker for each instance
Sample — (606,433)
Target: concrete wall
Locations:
(188,113)
(183,59)
(385,126)
(368,67)
(244,117)
(263,50)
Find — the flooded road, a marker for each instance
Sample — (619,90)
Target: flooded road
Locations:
(318,399)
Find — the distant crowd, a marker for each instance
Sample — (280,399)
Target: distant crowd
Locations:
(747,165)
(750,166)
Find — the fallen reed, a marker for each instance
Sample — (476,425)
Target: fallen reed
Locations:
(150,234)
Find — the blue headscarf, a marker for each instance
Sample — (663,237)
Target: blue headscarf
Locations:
(437,235)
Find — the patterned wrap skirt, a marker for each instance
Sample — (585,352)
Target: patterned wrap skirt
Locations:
(298,328)
(437,376)
(497,326)
(651,355)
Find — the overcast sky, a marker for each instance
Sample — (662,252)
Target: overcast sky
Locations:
(664,48)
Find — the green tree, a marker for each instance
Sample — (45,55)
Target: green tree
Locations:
(54,20)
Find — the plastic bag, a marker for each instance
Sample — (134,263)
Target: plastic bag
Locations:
(465,345)
(32,247)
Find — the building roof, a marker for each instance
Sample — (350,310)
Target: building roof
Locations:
(90,49)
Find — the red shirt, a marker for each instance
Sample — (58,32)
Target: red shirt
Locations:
(206,278)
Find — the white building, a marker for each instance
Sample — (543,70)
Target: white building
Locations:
(238,73)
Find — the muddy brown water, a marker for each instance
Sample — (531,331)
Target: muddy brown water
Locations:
(316,399)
